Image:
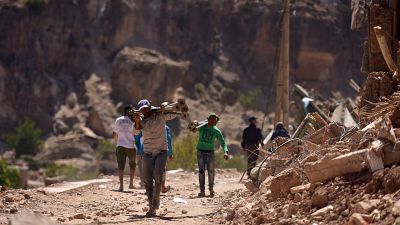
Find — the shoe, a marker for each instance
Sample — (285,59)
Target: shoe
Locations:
(121,189)
(151,213)
(201,195)
(134,186)
(166,189)
(212,193)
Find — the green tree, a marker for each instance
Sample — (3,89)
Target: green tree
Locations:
(8,176)
(26,139)
(249,99)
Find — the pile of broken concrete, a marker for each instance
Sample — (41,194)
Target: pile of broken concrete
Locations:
(335,175)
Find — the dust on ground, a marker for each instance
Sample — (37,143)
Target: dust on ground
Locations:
(101,204)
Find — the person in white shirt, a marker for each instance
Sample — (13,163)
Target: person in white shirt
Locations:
(123,135)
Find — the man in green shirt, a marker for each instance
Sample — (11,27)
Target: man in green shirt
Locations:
(205,152)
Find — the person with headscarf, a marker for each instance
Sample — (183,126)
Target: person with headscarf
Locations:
(279,131)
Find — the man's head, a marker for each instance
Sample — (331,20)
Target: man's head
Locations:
(144,107)
(128,110)
(252,120)
(212,119)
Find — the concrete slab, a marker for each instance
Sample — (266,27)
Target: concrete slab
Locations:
(66,186)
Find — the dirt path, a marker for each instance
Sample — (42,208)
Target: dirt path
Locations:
(102,204)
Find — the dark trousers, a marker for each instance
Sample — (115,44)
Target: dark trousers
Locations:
(206,160)
(153,169)
(252,156)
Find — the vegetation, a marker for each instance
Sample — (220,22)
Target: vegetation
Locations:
(103,147)
(185,156)
(8,176)
(249,100)
(237,161)
(228,96)
(32,163)
(185,153)
(26,139)
(54,170)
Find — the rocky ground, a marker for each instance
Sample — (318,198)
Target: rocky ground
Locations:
(357,199)
(101,204)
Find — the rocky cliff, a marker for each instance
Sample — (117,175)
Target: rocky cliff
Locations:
(49,49)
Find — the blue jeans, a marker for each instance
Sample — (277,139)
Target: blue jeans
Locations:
(153,169)
(206,160)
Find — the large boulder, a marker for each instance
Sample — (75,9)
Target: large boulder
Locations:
(139,73)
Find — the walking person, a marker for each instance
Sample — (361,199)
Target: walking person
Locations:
(251,140)
(208,133)
(123,135)
(155,148)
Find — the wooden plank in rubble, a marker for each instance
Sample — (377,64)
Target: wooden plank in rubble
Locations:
(383,17)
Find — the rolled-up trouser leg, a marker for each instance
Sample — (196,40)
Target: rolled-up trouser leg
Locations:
(202,166)
(148,168)
(211,170)
(159,166)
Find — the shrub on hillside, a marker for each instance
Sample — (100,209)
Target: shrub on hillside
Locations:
(185,153)
(104,146)
(249,100)
(185,156)
(54,170)
(8,176)
(26,139)
(32,163)
(237,161)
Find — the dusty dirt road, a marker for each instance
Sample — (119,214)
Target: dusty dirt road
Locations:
(102,204)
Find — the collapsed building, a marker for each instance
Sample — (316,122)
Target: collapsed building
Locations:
(340,167)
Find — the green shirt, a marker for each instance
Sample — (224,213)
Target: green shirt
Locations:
(207,136)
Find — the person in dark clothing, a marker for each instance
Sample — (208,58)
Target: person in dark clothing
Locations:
(251,140)
(279,131)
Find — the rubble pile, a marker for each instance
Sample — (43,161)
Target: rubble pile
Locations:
(332,175)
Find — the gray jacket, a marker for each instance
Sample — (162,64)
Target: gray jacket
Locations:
(154,136)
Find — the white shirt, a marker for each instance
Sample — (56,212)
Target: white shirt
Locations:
(124,128)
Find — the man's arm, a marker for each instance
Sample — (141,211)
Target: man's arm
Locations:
(137,122)
(115,134)
(115,137)
(223,145)
(221,140)
(139,145)
(243,138)
(260,137)
(169,142)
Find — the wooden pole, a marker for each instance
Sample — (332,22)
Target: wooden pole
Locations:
(285,62)
(282,93)
(380,36)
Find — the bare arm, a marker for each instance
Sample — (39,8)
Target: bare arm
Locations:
(115,137)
